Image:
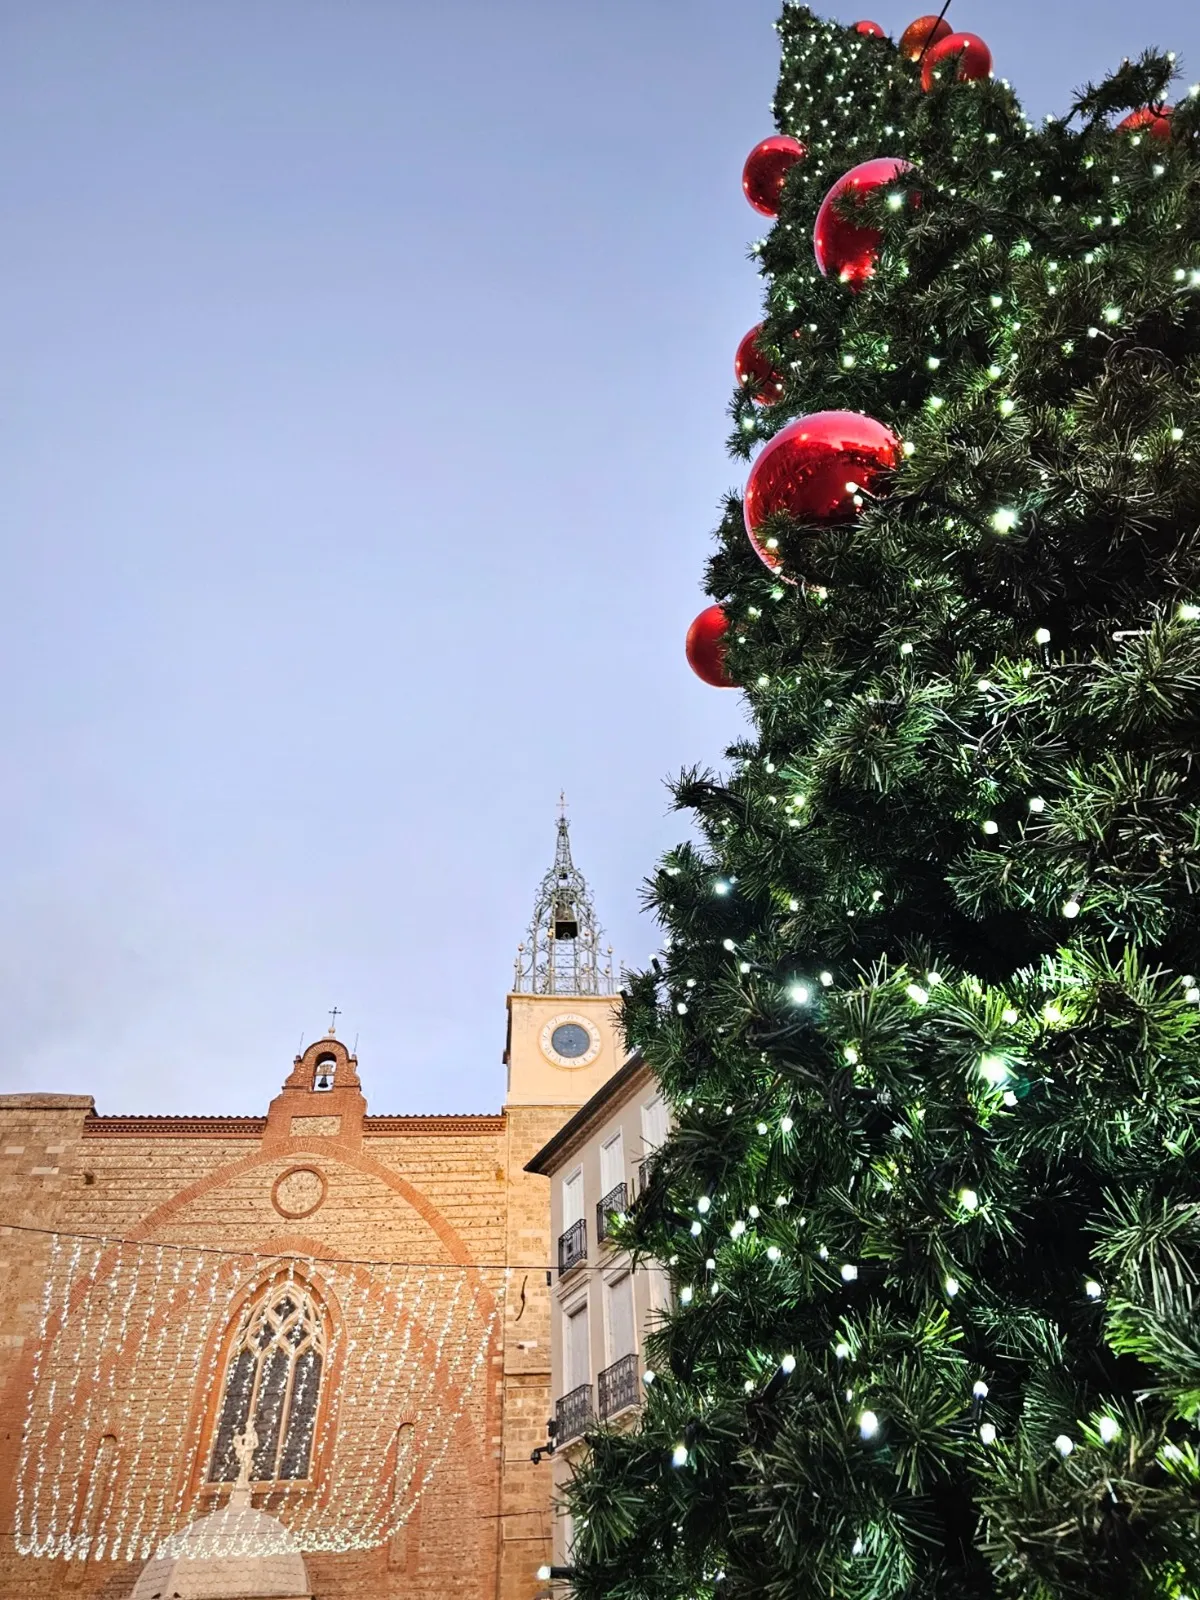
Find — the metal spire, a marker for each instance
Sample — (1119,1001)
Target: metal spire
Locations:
(562,953)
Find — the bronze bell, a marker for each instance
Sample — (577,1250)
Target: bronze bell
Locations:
(566,923)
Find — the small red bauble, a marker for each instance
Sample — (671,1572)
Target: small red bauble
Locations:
(974,59)
(814,470)
(922,33)
(1154,120)
(766,170)
(846,249)
(871,29)
(755,372)
(706,648)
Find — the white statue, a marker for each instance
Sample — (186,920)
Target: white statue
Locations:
(244,1446)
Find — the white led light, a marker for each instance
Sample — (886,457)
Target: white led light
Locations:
(738,1229)
(799,994)
(786,1124)
(1037,805)
(994,1069)
(679,1456)
(841,1351)
(849,1272)
(729,944)
(685,1295)
(868,1424)
(826,980)
(1092,1289)
(696,1229)
(952,1287)
(915,993)
(1064,1445)
(543,1574)
(788,1364)
(991,827)
(703,1204)
(968,1199)
(1071,910)
(980,1390)
(1004,520)
(1042,636)
(772,1252)
(987,1433)
(1108,1428)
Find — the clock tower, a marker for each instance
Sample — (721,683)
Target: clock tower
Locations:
(564,1041)
(564,1038)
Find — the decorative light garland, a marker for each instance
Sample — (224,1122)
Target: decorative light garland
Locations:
(120,1330)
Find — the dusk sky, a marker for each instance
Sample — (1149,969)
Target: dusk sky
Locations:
(363,375)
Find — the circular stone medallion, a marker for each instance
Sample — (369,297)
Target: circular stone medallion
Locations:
(298,1191)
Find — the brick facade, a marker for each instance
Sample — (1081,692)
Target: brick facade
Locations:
(319,1181)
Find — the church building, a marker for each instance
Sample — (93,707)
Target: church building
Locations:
(302,1354)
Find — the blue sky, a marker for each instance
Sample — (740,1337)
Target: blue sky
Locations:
(363,371)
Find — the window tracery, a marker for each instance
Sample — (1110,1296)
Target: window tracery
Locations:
(272,1378)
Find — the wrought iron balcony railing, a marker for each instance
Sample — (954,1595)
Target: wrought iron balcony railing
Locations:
(618,1386)
(614,1202)
(572,1246)
(573,1413)
(646,1171)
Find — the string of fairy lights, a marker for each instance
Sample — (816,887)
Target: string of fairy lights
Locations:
(120,1429)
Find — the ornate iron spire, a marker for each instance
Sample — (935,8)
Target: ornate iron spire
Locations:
(562,954)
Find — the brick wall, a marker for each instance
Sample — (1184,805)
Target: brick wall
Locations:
(446,1192)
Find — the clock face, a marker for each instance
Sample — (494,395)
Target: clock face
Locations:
(571,1040)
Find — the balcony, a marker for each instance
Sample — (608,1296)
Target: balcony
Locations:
(615,1202)
(618,1386)
(573,1413)
(572,1247)
(646,1171)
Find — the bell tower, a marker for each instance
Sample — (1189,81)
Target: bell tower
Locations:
(564,1041)
(563,1036)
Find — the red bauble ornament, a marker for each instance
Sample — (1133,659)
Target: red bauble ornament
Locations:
(766,170)
(706,648)
(755,372)
(1154,120)
(846,249)
(871,29)
(922,33)
(974,59)
(814,470)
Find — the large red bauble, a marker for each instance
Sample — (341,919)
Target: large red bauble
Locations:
(1154,120)
(813,470)
(871,29)
(845,249)
(754,372)
(974,59)
(706,648)
(766,170)
(922,33)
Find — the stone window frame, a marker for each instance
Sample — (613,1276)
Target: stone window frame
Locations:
(267,1288)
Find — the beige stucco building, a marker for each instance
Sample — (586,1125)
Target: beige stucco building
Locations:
(601,1307)
(301,1353)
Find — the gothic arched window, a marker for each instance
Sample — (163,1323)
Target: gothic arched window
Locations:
(273,1377)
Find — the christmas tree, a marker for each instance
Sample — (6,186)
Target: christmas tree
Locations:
(927,1010)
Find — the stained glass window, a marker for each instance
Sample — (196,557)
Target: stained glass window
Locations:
(273,1374)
